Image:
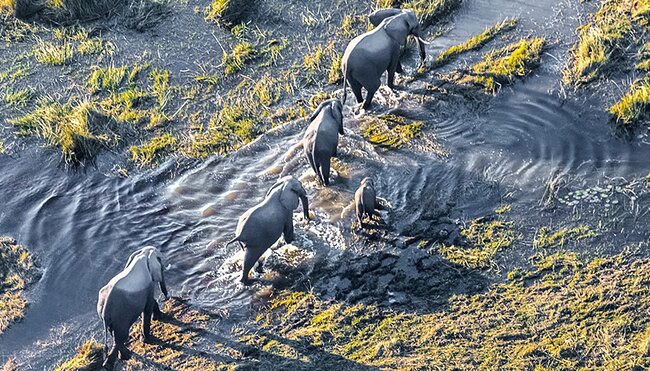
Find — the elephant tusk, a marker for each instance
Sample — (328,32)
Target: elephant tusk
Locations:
(424,41)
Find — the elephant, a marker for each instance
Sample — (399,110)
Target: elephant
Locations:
(365,200)
(126,296)
(368,55)
(322,136)
(378,16)
(261,226)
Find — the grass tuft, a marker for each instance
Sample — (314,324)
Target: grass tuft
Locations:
(240,55)
(106,78)
(53,54)
(634,105)
(148,153)
(476,41)
(430,11)
(18,98)
(229,12)
(390,131)
(545,238)
(90,356)
(17,271)
(501,66)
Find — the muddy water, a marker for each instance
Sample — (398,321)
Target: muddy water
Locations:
(83,225)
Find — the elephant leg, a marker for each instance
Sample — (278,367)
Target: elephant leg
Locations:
(360,212)
(319,174)
(121,338)
(112,356)
(356,89)
(399,68)
(372,89)
(392,68)
(157,313)
(260,267)
(310,158)
(250,258)
(287,232)
(325,171)
(146,321)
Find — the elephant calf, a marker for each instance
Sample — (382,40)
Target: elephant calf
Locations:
(262,225)
(369,55)
(322,137)
(365,200)
(128,295)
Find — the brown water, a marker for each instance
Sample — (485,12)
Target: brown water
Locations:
(83,225)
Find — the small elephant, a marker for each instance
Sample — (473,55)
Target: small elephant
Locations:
(261,226)
(370,54)
(126,296)
(365,200)
(322,137)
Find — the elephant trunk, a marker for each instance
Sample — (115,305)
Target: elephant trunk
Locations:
(163,288)
(305,206)
(421,45)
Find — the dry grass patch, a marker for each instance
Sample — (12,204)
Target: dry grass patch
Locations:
(17,271)
(561,314)
(501,67)
(634,105)
(53,54)
(89,357)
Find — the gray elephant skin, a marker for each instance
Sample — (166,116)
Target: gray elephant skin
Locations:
(370,54)
(262,225)
(321,138)
(128,295)
(365,200)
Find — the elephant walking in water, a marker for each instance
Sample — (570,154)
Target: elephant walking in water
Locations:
(365,200)
(367,56)
(262,225)
(321,138)
(128,295)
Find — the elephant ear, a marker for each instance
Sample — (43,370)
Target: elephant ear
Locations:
(337,113)
(378,16)
(154,263)
(397,28)
(289,195)
(132,256)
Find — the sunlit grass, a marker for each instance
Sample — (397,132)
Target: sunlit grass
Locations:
(149,152)
(19,98)
(106,78)
(545,237)
(502,66)
(634,105)
(53,54)
(89,356)
(241,54)
(476,41)
(17,270)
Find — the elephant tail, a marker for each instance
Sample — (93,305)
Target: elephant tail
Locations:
(231,241)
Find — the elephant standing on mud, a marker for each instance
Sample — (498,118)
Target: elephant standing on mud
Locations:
(321,138)
(369,55)
(262,225)
(365,200)
(127,296)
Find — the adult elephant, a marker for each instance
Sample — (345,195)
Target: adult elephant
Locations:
(321,138)
(128,295)
(262,225)
(369,55)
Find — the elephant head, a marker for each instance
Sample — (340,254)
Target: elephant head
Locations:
(367,181)
(403,24)
(290,190)
(154,260)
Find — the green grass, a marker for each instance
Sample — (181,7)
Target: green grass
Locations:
(634,105)
(229,12)
(106,78)
(562,313)
(17,271)
(150,152)
(65,126)
(485,238)
(89,356)
(476,41)
(335,74)
(390,131)
(19,98)
(53,54)
(603,40)
(241,54)
(312,62)
(431,11)
(95,46)
(545,238)
(502,66)
(124,105)
(160,85)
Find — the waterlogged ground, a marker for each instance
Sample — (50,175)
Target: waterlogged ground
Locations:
(516,235)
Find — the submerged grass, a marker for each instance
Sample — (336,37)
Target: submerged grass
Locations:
(545,238)
(390,131)
(561,314)
(634,105)
(603,40)
(89,356)
(502,66)
(17,271)
(476,41)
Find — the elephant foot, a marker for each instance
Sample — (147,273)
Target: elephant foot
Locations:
(159,315)
(149,339)
(107,365)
